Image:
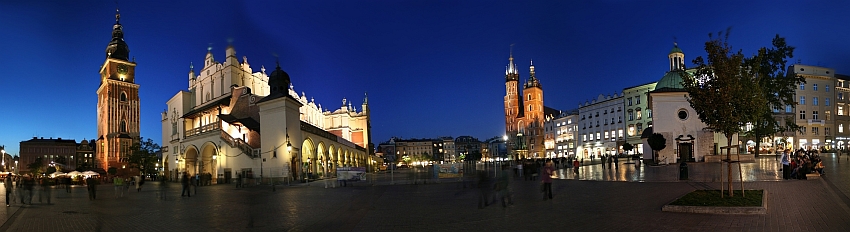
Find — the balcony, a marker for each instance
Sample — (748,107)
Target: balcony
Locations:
(816,121)
(203,129)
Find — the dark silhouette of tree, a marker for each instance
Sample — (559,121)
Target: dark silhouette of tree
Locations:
(657,142)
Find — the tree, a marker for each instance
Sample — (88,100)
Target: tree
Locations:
(657,142)
(36,166)
(729,90)
(143,156)
(112,171)
(768,69)
(50,170)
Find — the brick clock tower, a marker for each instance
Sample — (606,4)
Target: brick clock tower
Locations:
(117,103)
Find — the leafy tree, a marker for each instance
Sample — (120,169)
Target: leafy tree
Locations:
(143,156)
(50,170)
(36,166)
(729,90)
(657,142)
(112,171)
(768,69)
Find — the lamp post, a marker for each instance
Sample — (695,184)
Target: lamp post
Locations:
(3,153)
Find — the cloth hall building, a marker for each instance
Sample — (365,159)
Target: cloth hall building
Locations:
(234,121)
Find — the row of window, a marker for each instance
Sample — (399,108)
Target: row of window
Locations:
(814,87)
(816,130)
(814,115)
(629,101)
(598,136)
(814,101)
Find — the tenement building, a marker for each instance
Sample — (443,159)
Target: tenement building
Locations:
(842,112)
(601,127)
(814,106)
(637,113)
(233,121)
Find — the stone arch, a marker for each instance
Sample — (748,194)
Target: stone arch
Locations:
(190,159)
(206,164)
(321,159)
(332,159)
(308,153)
(339,157)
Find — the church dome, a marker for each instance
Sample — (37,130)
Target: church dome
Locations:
(671,80)
(676,50)
(279,81)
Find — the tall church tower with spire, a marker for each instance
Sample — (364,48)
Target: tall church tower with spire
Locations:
(117,102)
(524,113)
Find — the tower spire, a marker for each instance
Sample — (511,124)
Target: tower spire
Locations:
(117,48)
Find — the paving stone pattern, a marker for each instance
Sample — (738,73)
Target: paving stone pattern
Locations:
(627,199)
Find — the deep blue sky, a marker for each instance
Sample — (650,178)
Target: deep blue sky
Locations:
(432,68)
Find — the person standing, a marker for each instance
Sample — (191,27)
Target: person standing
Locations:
(185,181)
(603,161)
(118,183)
(8,184)
(786,164)
(548,172)
(138,181)
(576,164)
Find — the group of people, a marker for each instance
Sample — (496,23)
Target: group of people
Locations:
(796,165)
(22,188)
(122,184)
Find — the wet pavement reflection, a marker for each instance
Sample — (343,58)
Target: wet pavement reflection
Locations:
(765,168)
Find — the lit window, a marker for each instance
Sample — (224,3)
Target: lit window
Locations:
(840,110)
(840,128)
(631,130)
(620,133)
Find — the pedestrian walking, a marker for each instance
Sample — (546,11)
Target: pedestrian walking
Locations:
(503,188)
(45,190)
(484,187)
(548,172)
(610,161)
(576,164)
(616,162)
(786,164)
(118,183)
(238,180)
(91,186)
(139,182)
(185,181)
(29,184)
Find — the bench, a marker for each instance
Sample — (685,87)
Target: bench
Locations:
(812,176)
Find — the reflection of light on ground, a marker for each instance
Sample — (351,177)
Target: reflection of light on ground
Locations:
(764,169)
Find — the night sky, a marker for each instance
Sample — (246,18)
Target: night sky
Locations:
(431,68)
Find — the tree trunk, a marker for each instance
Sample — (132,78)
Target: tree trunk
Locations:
(729,163)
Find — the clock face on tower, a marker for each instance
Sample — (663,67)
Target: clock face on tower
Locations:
(122,69)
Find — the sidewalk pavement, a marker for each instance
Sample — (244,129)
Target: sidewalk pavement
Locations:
(625,203)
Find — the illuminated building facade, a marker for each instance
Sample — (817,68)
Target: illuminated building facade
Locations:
(601,128)
(234,121)
(636,113)
(842,112)
(815,105)
(524,114)
(117,103)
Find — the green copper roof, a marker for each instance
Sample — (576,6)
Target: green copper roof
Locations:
(676,50)
(670,80)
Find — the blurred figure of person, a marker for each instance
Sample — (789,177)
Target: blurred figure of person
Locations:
(603,161)
(485,186)
(617,161)
(45,190)
(118,183)
(29,184)
(8,186)
(238,180)
(91,186)
(546,177)
(503,187)
(576,165)
(138,180)
(185,181)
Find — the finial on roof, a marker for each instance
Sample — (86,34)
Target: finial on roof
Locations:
(209,48)
(191,66)
(117,14)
